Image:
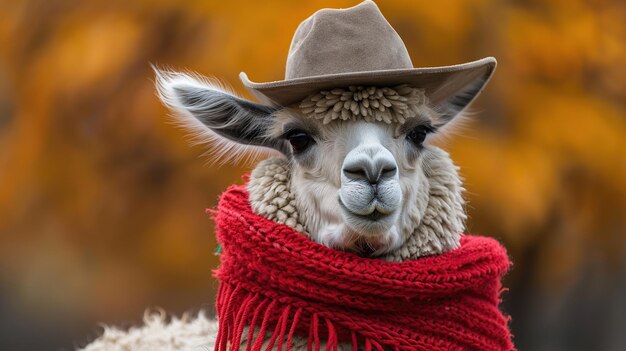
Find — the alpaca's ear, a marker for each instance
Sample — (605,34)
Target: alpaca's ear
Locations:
(216,114)
(456,94)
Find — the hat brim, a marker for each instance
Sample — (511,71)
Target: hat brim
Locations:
(439,83)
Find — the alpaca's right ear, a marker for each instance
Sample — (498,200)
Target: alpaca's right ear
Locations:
(453,96)
(216,114)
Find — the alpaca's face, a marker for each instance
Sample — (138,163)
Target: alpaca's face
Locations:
(359,186)
(355,183)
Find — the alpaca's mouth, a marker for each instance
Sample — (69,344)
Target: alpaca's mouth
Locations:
(374,216)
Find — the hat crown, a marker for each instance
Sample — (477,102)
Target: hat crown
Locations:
(335,41)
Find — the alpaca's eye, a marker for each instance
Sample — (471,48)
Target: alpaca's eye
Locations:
(299,140)
(418,134)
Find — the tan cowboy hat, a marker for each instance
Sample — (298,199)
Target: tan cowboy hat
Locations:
(357,46)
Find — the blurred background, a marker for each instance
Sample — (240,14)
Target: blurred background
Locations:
(102,200)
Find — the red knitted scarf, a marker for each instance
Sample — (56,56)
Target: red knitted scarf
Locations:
(281,282)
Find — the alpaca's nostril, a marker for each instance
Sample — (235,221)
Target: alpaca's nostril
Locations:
(371,164)
(362,172)
(356,172)
(388,172)
(384,171)
(369,172)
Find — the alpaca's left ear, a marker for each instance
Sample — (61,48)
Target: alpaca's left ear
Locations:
(215,114)
(454,96)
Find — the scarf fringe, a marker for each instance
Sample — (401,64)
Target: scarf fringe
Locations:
(277,325)
(256,313)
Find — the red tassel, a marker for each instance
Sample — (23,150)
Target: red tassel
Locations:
(227,319)
(316,332)
(355,344)
(292,330)
(240,321)
(277,330)
(332,343)
(257,312)
(266,320)
(283,327)
(309,344)
(223,304)
(368,344)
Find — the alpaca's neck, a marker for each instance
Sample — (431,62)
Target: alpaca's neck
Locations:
(434,229)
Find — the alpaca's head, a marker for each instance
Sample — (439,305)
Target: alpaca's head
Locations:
(359,185)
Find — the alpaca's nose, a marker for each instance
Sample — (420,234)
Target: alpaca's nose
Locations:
(371,163)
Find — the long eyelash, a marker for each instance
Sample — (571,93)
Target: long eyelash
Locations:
(290,131)
(296,128)
(429,128)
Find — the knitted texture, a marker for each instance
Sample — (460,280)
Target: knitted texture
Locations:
(371,104)
(276,284)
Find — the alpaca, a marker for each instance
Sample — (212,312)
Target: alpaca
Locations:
(377,188)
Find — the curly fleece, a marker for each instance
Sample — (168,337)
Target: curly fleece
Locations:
(371,104)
